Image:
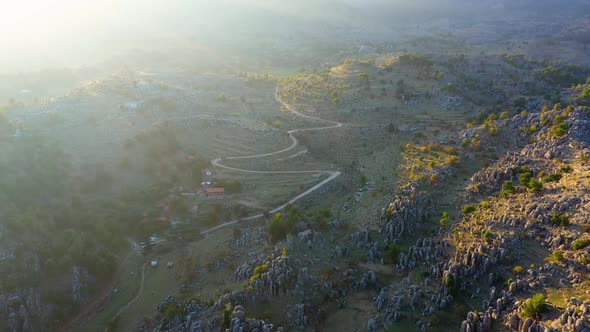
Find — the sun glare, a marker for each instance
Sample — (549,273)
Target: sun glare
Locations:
(40,19)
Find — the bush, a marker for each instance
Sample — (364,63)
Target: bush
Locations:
(363,180)
(560,219)
(451,285)
(534,307)
(552,178)
(567,169)
(321,220)
(260,269)
(508,188)
(580,244)
(560,127)
(535,186)
(467,209)
(170,311)
(555,257)
(277,228)
(486,235)
(434,179)
(518,269)
(392,254)
(227,311)
(444,219)
(508,282)
(532,129)
(559,130)
(525,178)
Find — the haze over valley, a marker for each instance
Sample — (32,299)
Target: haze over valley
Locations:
(313,165)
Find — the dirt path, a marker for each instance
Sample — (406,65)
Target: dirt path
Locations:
(89,309)
(139,294)
(294,143)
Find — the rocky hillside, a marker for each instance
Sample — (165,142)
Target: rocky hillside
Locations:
(511,250)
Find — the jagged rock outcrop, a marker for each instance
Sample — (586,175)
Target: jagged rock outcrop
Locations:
(401,216)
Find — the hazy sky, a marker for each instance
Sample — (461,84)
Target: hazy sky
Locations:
(37,33)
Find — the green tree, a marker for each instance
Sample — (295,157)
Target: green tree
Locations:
(534,307)
(560,219)
(277,229)
(467,209)
(444,219)
(535,186)
(580,244)
(507,188)
(227,311)
(392,254)
(525,178)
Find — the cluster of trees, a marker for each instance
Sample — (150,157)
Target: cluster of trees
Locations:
(44,217)
(283,223)
(428,157)
(559,127)
(527,180)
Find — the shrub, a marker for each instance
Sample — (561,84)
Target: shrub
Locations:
(518,269)
(532,129)
(552,178)
(567,169)
(580,244)
(434,179)
(171,311)
(444,219)
(467,209)
(555,257)
(260,269)
(508,188)
(560,129)
(484,204)
(321,220)
(486,235)
(465,143)
(363,180)
(450,284)
(493,131)
(227,311)
(525,178)
(392,254)
(452,160)
(277,228)
(534,307)
(535,186)
(560,219)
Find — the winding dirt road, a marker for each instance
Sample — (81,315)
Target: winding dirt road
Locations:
(218,163)
(139,293)
(294,144)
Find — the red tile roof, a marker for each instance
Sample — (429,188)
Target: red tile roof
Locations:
(214,190)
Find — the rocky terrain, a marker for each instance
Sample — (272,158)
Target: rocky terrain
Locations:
(458,149)
(522,230)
